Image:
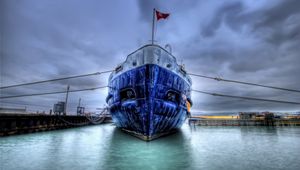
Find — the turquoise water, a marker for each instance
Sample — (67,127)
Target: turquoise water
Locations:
(105,147)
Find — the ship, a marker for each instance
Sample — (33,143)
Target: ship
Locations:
(149,93)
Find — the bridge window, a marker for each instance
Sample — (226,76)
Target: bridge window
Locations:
(134,63)
(119,68)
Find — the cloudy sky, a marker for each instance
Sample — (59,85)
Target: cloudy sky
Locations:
(255,41)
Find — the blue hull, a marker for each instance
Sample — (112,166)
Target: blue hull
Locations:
(148,101)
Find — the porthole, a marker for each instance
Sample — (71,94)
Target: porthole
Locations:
(127,93)
(172,96)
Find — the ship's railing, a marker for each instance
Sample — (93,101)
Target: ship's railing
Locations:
(151,54)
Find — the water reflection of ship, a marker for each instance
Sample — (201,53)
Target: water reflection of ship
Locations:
(172,152)
(149,93)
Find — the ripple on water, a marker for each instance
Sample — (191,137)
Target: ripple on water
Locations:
(106,147)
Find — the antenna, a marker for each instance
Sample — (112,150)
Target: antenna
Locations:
(79,102)
(66,103)
(170,48)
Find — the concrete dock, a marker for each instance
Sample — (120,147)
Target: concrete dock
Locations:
(11,124)
(246,119)
(244,122)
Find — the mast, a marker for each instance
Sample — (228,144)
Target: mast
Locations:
(153,22)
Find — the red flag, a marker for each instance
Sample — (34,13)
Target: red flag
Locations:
(160,15)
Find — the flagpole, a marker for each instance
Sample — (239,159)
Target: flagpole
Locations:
(153,20)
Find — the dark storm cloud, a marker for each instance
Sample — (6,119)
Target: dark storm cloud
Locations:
(277,23)
(268,26)
(279,13)
(229,13)
(245,40)
(280,23)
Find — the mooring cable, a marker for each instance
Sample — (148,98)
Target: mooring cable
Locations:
(48,93)
(56,79)
(246,98)
(243,82)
